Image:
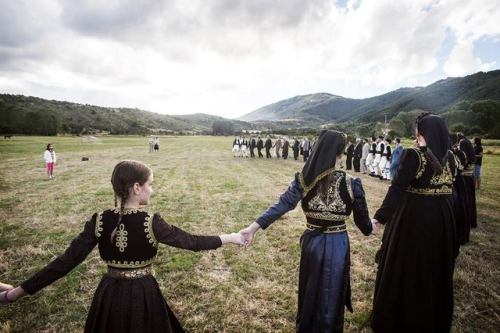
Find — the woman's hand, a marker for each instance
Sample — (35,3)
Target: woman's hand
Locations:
(375,226)
(249,232)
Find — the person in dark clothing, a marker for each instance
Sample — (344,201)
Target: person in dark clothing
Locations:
(128,298)
(350,153)
(358,152)
(260,145)
(253,144)
(268,145)
(468,173)
(414,283)
(328,196)
(296,148)
(478,150)
(286,146)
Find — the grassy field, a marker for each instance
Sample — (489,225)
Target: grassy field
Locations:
(201,188)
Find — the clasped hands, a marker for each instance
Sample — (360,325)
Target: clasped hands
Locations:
(246,235)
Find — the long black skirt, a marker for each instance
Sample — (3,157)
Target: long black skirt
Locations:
(130,305)
(414,285)
(461,205)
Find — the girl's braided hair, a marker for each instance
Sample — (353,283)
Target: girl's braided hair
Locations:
(125,175)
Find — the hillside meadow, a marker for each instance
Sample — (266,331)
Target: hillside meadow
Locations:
(200,187)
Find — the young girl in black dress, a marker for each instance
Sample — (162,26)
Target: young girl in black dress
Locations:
(128,298)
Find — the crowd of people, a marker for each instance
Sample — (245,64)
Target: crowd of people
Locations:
(427,214)
(243,147)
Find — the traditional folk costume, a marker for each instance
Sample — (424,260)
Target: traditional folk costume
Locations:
(385,162)
(286,146)
(252,147)
(128,298)
(244,148)
(378,156)
(414,284)
(268,145)
(364,156)
(306,147)
(324,280)
(236,147)
(371,157)
(470,187)
(260,145)
(461,199)
(358,152)
(349,155)
(296,149)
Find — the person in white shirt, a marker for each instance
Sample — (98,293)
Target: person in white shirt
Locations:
(364,156)
(50,160)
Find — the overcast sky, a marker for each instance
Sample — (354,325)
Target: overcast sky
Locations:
(229,57)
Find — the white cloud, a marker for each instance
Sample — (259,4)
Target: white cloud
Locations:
(230,57)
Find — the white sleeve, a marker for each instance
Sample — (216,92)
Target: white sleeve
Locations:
(54,157)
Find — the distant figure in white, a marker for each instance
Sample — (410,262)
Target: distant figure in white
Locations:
(236,147)
(244,148)
(156,143)
(378,156)
(50,160)
(364,155)
(371,156)
(385,161)
(151,144)
(306,146)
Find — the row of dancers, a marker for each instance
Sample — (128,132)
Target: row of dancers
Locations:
(243,147)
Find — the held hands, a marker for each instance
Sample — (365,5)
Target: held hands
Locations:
(9,294)
(375,226)
(235,238)
(249,232)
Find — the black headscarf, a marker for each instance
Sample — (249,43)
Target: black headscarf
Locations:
(435,132)
(322,161)
(466,146)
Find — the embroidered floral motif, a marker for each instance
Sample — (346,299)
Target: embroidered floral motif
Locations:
(121,238)
(148,223)
(422,163)
(127,211)
(443,190)
(334,202)
(98,225)
(129,264)
(444,178)
(326,216)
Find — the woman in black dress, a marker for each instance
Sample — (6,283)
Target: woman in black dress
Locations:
(128,298)
(414,284)
(328,198)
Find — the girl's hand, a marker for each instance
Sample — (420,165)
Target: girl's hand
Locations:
(5,286)
(11,295)
(235,238)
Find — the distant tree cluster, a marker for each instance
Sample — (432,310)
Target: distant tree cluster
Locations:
(222,127)
(475,118)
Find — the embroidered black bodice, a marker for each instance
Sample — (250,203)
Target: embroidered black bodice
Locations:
(424,181)
(134,244)
(336,205)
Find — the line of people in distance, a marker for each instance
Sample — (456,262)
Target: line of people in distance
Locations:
(377,158)
(243,147)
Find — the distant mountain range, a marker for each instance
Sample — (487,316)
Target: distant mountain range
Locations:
(20,114)
(33,115)
(321,108)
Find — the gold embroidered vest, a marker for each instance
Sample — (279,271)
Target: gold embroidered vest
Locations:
(426,183)
(134,245)
(329,212)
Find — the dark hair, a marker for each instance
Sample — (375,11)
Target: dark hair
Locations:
(373,138)
(437,168)
(48,144)
(125,175)
(326,182)
(398,140)
(477,141)
(388,140)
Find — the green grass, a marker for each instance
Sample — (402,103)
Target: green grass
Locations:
(201,188)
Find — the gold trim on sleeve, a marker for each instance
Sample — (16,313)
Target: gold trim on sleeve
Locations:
(98,225)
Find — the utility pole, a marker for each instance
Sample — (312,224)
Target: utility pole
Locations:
(385,123)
